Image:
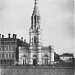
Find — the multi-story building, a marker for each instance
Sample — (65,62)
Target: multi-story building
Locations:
(9,47)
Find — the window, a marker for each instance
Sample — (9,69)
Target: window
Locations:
(0,55)
(1,48)
(38,18)
(12,55)
(35,18)
(30,40)
(46,59)
(11,48)
(6,48)
(70,59)
(46,55)
(34,39)
(6,55)
(9,55)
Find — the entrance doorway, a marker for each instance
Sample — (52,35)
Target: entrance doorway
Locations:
(24,62)
(34,62)
(46,59)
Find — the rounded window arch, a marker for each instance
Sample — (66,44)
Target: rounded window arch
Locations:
(46,59)
(34,59)
(24,55)
(46,55)
(34,39)
(24,59)
(35,55)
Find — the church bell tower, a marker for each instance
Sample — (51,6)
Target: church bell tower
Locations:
(35,37)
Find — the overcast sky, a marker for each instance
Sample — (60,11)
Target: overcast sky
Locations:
(56,21)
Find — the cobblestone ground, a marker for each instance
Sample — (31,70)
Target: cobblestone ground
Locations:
(36,71)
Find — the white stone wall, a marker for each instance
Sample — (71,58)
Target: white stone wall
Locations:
(23,52)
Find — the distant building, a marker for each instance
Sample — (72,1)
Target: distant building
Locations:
(67,57)
(9,50)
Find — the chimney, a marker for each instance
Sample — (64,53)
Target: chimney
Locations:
(13,35)
(9,35)
(21,38)
(2,36)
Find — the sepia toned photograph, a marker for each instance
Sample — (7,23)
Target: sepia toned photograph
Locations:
(37,37)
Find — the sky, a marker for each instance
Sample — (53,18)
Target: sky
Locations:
(57,21)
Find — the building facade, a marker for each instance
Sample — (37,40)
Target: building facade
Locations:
(17,51)
(24,53)
(37,51)
(9,50)
(36,54)
(35,37)
(67,57)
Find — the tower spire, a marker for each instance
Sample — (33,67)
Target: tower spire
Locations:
(35,7)
(35,34)
(35,18)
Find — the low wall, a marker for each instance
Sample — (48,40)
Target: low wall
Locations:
(36,71)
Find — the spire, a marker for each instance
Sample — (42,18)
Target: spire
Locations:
(35,18)
(35,11)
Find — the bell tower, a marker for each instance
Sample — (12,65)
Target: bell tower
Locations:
(35,36)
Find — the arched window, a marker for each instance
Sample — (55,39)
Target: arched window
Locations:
(46,59)
(34,39)
(35,21)
(24,59)
(38,19)
(34,55)
(35,18)
(46,55)
(34,60)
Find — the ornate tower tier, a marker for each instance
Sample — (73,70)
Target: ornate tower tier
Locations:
(35,37)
